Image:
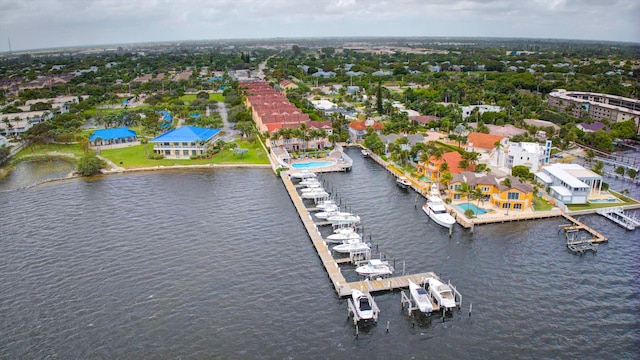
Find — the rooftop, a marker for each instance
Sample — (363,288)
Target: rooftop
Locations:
(110,134)
(187,134)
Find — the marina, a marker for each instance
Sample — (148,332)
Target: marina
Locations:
(331,265)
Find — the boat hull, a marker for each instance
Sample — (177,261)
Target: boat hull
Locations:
(421,297)
(444,220)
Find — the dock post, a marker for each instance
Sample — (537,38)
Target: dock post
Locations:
(472,226)
(470,307)
(387,326)
(356,330)
(450,231)
(404,263)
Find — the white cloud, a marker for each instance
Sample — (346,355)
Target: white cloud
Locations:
(49,23)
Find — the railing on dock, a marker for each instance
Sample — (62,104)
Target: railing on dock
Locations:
(620,217)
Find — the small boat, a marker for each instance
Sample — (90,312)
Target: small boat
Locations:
(315,195)
(353,245)
(344,230)
(403,182)
(312,186)
(309,181)
(327,213)
(420,297)
(442,294)
(341,238)
(326,204)
(365,153)
(435,209)
(363,304)
(311,189)
(375,267)
(304,174)
(344,219)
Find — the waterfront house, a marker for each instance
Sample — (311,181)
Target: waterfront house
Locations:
(570,183)
(531,155)
(431,168)
(483,143)
(358,129)
(115,136)
(516,196)
(183,142)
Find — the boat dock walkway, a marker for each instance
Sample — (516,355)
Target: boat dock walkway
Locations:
(577,225)
(331,265)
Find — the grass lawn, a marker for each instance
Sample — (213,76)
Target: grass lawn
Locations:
(37,150)
(540,204)
(94,111)
(190,97)
(134,157)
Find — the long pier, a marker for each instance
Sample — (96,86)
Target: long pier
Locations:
(577,225)
(331,265)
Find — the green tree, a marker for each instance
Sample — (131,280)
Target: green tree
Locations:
(632,173)
(90,164)
(521,172)
(379,106)
(620,170)
(598,167)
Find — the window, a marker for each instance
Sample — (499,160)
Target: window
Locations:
(505,205)
(185,152)
(167,152)
(456,196)
(517,206)
(513,196)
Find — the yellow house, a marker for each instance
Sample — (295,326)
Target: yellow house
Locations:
(517,196)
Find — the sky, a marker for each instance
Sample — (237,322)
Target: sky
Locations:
(33,24)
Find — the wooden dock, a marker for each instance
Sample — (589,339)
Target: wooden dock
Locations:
(331,265)
(577,225)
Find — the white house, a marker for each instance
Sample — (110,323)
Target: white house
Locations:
(570,183)
(323,104)
(17,123)
(466,110)
(531,155)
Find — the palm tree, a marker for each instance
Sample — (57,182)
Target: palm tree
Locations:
(466,190)
(498,147)
(598,168)
(507,182)
(478,195)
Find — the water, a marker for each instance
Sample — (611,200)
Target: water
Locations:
(30,173)
(312,165)
(195,264)
(476,210)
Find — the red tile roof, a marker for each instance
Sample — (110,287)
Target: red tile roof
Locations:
(483,141)
(424,119)
(359,125)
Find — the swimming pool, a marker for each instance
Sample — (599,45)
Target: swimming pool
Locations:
(609,200)
(313,164)
(476,210)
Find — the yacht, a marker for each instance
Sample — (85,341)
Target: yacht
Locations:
(363,304)
(436,210)
(403,182)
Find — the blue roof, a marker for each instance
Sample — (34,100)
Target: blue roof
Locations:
(187,134)
(110,134)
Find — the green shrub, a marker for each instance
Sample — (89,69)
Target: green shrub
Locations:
(90,165)
(469,213)
(156,156)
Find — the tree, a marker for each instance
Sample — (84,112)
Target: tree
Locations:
(90,164)
(445,178)
(598,168)
(521,172)
(632,173)
(240,151)
(245,128)
(379,98)
(478,195)
(620,170)
(5,152)
(466,190)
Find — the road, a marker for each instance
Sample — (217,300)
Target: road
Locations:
(229,132)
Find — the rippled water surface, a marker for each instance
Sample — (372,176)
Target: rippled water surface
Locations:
(194,264)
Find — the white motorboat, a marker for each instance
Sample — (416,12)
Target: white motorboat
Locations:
(344,219)
(304,174)
(442,294)
(353,245)
(344,230)
(311,189)
(403,182)
(309,181)
(365,153)
(420,297)
(327,214)
(340,238)
(315,195)
(375,267)
(325,204)
(363,304)
(435,209)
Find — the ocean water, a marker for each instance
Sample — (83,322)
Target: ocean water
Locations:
(216,264)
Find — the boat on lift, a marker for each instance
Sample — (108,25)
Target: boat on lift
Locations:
(315,195)
(344,219)
(340,238)
(363,304)
(310,181)
(421,297)
(353,245)
(325,204)
(442,294)
(327,213)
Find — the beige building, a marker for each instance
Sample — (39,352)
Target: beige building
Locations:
(598,106)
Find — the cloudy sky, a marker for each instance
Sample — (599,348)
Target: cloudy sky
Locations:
(52,23)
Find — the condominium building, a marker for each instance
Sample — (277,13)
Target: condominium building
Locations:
(598,106)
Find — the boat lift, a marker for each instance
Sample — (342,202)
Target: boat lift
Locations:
(620,217)
(577,246)
(352,309)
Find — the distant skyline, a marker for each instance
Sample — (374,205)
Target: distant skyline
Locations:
(33,24)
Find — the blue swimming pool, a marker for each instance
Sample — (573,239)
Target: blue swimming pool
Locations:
(609,200)
(312,165)
(476,210)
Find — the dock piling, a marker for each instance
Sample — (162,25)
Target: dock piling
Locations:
(470,307)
